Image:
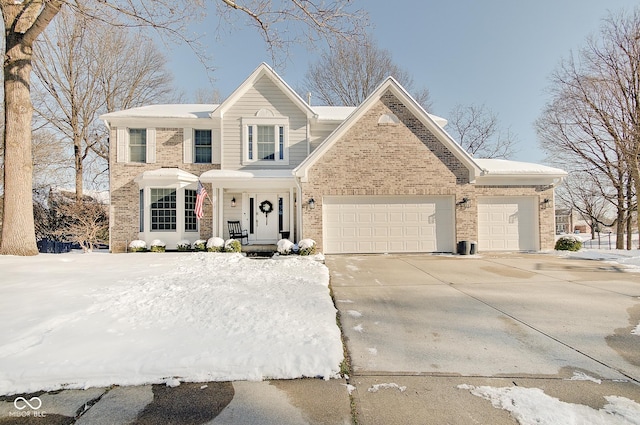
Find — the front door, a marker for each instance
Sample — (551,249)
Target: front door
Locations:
(266,217)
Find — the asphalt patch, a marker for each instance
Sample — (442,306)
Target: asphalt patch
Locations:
(187,404)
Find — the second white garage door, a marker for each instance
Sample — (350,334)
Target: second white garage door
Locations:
(388,224)
(508,224)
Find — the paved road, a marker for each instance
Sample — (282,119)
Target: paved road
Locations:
(427,324)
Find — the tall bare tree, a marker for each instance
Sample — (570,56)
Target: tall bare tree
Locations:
(478,131)
(582,192)
(24,22)
(83,68)
(593,117)
(351,70)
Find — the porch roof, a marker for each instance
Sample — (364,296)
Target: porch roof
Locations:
(165,176)
(249,178)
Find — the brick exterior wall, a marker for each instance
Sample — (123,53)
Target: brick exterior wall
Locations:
(402,159)
(125,202)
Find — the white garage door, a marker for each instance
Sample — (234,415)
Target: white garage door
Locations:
(508,224)
(388,224)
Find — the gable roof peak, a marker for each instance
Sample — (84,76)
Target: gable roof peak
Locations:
(263,70)
(397,90)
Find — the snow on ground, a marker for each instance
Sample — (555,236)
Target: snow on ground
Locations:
(603,248)
(531,406)
(82,320)
(629,259)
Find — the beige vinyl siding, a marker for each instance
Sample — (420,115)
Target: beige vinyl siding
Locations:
(263,95)
(319,132)
(231,213)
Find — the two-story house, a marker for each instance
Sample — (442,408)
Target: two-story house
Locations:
(381,177)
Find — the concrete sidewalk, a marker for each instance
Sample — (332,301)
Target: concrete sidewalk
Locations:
(417,327)
(296,402)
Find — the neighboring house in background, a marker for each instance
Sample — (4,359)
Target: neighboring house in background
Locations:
(564,221)
(569,221)
(381,177)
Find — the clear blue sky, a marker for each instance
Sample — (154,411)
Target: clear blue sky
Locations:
(494,52)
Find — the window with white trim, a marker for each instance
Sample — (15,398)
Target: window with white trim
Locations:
(266,140)
(163,209)
(202,146)
(137,145)
(190,221)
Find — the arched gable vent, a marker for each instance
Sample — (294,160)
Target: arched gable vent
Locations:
(265,113)
(388,119)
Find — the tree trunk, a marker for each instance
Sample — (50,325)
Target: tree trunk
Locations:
(620,220)
(23,22)
(18,232)
(77,152)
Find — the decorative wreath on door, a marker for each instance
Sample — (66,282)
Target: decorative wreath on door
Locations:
(266,207)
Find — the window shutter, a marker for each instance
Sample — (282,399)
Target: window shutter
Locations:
(151,145)
(121,145)
(187,145)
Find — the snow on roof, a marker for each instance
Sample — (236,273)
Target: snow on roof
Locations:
(333,113)
(237,175)
(165,111)
(507,167)
(168,174)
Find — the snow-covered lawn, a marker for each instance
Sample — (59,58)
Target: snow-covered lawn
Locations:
(82,320)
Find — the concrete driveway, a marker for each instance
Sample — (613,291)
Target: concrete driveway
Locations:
(417,326)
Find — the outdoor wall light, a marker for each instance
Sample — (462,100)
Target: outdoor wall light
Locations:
(312,203)
(464,203)
(545,203)
(233,201)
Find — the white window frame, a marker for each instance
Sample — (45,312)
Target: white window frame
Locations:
(189,145)
(277,123)
(195,146)
(123,151)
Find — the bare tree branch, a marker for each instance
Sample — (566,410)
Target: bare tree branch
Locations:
(477,130)
(350,71)
(593,118)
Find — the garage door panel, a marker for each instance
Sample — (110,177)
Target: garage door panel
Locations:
(507,224)
(396,232)
(346,217)
(388,224)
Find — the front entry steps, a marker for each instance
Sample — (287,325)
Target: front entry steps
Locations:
(260,250)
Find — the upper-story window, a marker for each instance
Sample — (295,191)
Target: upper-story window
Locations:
(137,145)
(266,140)
(202,146)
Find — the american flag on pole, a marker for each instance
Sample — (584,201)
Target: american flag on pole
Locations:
(201,193)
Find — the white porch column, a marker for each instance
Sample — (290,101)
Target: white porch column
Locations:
(214,206)
(292,222)
(220,212)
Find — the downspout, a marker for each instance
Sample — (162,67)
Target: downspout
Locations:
(111,209)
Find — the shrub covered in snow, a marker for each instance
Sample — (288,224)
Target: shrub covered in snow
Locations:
(158,246)
(183,245)
(568,243)
(285,247)
(215,244)
(138,246)
(232,245)
(307,247)
(200,245)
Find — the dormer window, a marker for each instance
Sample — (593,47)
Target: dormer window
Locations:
(266,140)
